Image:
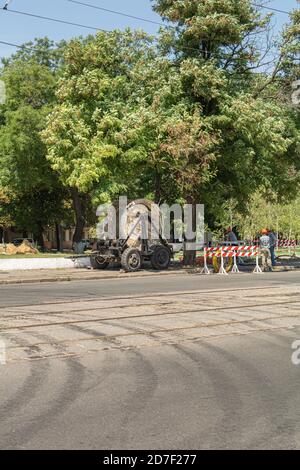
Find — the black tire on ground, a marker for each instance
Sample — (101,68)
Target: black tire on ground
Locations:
(98,262)
(131,260)
(161,258)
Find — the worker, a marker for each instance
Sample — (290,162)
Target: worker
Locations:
(265,243)
(273,245)
(231,236)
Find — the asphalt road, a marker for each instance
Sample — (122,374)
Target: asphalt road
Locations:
(127,365)
(19,294)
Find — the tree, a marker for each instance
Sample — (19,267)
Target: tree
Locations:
(223,31)
(282,218)
(193,120)
(35,194)
(208,84)
(42,51)
(286,68)
(81,130)
(5,216)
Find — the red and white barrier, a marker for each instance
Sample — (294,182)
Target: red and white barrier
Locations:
(222,252)
(283,243)
(287,243)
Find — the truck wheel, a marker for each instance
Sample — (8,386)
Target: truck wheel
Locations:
(98,262)
(131,260)
(160,258)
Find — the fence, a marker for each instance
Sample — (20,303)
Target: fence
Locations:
(223,252)
(287,243)
(282,243)
(251,250)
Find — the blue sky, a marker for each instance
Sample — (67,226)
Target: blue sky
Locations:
(18,28)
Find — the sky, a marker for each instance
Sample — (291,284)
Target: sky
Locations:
(15,28)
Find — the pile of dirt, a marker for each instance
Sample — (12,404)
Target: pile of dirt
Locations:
(25,249)
(10,249)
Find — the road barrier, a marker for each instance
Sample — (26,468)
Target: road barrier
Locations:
(287,243)
(223,252)
(282,243)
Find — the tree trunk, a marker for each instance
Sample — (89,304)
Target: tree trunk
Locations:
(157,196)
(189,258)
(39,238)
(58,237)
(79,204)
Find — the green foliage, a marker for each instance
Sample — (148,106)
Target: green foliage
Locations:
(264,213)
(190,119)
(223,29)
(42,51)
(82,129)
(256,136)
(290,48)
(34,194)
(5,217)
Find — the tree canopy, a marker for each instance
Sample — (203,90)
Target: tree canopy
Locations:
(33,189)
(191,117)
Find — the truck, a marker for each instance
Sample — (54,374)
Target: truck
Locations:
(138,246)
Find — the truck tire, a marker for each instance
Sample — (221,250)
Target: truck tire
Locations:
(160,258)
(98,262)
(131,260)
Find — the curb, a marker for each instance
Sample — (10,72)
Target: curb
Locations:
(93,277)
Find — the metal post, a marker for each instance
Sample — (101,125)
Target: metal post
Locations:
(205,270)
(222,269)
(235,269)
(257,269)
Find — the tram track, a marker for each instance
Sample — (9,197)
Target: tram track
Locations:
(96,336)
(141,296)
(156,314)
(203,369)
(91,325)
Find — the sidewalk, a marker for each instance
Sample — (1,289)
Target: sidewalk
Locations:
(61,275)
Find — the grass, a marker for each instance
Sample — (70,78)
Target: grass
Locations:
(38,256)
(286,252)
(177,257)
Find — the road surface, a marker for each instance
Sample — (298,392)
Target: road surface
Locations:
(174,362)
